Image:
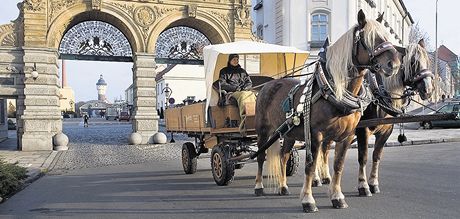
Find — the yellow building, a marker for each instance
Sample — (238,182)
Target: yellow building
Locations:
(67,95)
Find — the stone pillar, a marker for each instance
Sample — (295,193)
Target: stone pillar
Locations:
(40,119)
(145,117)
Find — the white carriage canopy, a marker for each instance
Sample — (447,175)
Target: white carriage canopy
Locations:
(257,58)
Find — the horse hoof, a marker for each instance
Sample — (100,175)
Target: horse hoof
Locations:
(339,203)
(326,181)
(316,183)
(374,189)
(364,192)
(259,192)
(309,207)
(284,191)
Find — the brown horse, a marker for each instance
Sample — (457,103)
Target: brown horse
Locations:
(347,62)
(414,74)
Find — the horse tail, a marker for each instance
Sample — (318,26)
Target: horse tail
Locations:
(274,165)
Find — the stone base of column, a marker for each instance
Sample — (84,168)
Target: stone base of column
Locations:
(146,128)
(36,141)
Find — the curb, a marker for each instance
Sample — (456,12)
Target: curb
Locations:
(412,143)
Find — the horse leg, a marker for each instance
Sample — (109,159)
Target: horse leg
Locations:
(324,160)
(259,187)
(306,195)
(285,155)
(363,136)
(337,197)
(380,140)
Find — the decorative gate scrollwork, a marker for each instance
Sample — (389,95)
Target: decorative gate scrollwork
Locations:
(181,43)
(90,39)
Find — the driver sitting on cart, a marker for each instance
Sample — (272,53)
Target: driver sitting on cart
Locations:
(236,82)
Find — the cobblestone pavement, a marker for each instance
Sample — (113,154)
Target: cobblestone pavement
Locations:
(106,144)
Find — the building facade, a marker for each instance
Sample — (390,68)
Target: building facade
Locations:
(306,24)
(449,68)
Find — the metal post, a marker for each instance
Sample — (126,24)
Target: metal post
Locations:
(436,84)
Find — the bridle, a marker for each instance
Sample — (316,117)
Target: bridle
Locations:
(373,54)
(419,76)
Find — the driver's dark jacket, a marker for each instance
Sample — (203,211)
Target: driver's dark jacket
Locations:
(234,78)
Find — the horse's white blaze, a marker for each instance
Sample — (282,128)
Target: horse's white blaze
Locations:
(428,84)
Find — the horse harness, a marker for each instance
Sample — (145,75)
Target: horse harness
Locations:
(348,104)
(381,48)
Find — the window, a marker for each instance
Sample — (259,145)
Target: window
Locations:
(251,63)
(260,31)
(319,27)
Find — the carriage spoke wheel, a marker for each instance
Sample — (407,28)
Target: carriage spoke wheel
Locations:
(189,158)
(292,165)
(223,170)
(217,159)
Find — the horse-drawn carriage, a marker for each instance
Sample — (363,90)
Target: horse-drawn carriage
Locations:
(214,124)
(325,108)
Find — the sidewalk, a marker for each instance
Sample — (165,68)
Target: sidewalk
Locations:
(36,162)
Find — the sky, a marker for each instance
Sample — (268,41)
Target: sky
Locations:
(83,75)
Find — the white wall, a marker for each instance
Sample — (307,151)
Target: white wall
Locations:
(184,80)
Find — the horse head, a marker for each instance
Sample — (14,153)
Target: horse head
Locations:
(372,47)
(416,66)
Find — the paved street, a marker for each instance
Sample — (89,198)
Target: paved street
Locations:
(114,180)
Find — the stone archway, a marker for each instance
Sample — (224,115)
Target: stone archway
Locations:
(33,39)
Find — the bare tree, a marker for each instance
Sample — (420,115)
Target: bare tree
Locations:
(417,33)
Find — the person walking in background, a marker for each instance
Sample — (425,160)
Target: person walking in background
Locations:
(85,120)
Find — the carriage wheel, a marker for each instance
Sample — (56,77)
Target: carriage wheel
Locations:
(189,158)
(223,170)
(293,163)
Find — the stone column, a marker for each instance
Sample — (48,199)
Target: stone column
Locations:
(40,119)
(145,117)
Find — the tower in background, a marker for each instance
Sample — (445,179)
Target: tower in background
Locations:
(101,89)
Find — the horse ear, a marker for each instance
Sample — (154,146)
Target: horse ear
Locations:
(401,50)
(380,18)
(361,18)
(421,42)
(326,42)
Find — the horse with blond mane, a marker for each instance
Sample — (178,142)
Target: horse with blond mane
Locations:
(363,47)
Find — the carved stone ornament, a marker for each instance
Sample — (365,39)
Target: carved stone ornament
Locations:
(7,35)
(242,15)
(96,4)
(191,10)
(34,5)
(144,16)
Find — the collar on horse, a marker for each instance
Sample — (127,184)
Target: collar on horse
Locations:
(382,98)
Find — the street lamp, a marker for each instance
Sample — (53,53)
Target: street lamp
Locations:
(34,72)
(168,91)
(436,77)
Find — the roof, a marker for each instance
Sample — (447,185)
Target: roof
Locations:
(249,47)
(446,54)
(101,81)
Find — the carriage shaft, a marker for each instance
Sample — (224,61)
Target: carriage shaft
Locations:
(405,119)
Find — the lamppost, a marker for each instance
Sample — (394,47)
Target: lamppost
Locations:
(71,102)
(168,91)
(436,76)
